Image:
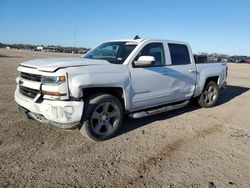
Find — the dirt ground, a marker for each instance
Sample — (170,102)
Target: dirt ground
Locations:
(189,147)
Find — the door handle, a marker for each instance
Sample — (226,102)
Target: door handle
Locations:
(192,70)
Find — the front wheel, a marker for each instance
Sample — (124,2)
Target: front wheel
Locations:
(102,118)
(209,95)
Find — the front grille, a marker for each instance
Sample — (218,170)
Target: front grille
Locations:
(32,77)
(28,92)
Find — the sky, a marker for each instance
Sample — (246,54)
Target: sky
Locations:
(221,26)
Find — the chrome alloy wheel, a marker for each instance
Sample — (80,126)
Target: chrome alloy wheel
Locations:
(210,95)
(105,118)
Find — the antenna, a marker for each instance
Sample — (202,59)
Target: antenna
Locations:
(137,37)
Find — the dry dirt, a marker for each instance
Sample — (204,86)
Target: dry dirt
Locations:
(189,147)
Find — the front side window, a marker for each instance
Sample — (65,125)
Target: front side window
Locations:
(153,49)
(113,52)
(179,54)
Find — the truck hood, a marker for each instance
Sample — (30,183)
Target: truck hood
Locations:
(53,64)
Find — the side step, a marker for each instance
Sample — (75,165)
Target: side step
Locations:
(158,110)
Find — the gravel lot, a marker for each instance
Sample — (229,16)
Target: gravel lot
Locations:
(189,147)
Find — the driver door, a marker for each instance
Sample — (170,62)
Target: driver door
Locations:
(150,83)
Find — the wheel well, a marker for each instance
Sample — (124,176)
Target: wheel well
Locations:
(214,78)
(115,91)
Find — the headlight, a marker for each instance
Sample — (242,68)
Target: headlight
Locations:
(53,79)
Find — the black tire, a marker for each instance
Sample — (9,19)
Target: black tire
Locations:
(209,96)
(102,117)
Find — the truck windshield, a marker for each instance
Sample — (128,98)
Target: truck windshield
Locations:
(113,52)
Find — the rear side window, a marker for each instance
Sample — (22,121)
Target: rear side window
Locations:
(179,54)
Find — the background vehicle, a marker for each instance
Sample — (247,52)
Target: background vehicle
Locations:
(247,61)
(135,77)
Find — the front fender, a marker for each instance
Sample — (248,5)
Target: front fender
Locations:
(94,80)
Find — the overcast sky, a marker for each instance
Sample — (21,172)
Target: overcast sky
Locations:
(221,26)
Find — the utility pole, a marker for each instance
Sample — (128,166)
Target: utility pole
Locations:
(75,36)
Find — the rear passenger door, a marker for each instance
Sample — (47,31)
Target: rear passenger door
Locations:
(181,72)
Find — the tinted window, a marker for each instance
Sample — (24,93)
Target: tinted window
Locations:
(179,54)
(153,49)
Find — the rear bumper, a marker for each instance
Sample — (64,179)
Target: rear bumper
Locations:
(61,114)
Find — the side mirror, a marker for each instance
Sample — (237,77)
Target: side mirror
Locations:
(145,61)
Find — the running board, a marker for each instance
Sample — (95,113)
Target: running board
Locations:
(158,110)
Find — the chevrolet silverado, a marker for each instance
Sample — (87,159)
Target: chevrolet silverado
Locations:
(138,78)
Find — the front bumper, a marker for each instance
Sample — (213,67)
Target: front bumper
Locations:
(61,114)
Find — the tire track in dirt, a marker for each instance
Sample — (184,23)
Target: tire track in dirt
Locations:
(170,149)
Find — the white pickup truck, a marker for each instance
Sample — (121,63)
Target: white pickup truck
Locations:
(134,77)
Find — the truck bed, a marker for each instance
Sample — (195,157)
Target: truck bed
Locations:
(210,69)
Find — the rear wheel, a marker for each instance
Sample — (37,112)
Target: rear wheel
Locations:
(209,95)
(103,116)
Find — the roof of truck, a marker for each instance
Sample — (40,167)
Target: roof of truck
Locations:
(137,41)
(128,40)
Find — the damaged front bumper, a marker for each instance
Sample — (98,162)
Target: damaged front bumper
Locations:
(61,114)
